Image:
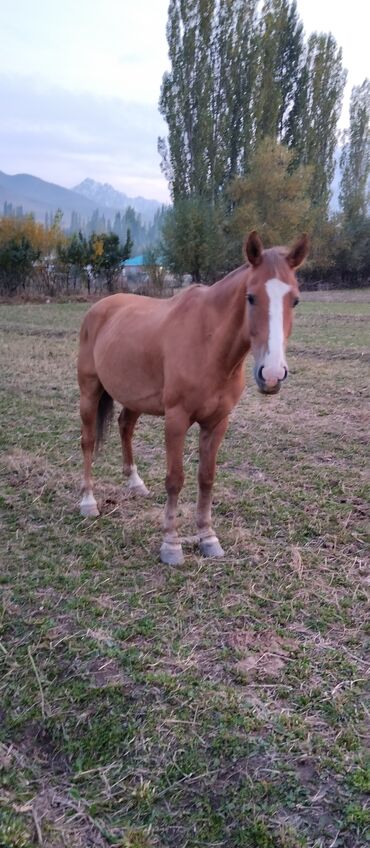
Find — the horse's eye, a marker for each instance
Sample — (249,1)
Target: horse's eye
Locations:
(251,299)
(296,301)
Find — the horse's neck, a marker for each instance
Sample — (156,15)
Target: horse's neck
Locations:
(228,297)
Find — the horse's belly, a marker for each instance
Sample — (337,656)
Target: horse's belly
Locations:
(132,383)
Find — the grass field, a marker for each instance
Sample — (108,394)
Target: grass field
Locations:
(220,704)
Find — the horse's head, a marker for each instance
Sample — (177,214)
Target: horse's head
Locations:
(272,294)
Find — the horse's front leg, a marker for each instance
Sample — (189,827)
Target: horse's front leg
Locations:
(209,443)
(176,426)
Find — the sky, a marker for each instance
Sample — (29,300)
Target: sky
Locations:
(80,82)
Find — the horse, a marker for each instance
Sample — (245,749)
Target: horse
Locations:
(183,358)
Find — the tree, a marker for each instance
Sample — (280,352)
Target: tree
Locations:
(272,198)
(17,257)
(154,268)
(106,254)
(281,51)
(74,256)
(355,158)
(313,124)
(193,239)
(185,96)
(354,190)
(206,98)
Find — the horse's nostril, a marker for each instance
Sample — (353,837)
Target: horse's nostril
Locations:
(260,375)
(285,374)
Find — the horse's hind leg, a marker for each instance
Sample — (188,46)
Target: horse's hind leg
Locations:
(126,422)
(89,401)
(176,426)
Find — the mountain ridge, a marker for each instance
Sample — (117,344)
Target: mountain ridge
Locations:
(108,196)
(44,198)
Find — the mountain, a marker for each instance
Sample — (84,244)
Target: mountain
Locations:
(44,198)
(104,196)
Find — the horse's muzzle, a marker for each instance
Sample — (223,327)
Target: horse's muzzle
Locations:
(267,388)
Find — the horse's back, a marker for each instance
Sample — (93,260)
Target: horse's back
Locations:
(124,311)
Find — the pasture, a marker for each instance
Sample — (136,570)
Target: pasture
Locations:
(222,703)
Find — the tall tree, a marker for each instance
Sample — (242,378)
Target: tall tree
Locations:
(206,97)
(355,158)
(234,58)
(316,111)
(354,189)
(184,100)
(281,50)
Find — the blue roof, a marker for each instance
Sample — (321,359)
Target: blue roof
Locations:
(137,261)
(134,261)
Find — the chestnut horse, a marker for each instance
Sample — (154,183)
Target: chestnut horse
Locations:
(183,358)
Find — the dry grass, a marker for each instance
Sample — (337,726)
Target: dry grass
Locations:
(223,704)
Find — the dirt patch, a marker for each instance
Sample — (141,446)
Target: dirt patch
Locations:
(265,654)
(104,672)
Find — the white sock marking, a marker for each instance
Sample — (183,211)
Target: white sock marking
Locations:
(88,505)
(134,479)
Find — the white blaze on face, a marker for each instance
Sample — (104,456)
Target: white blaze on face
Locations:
(274,360)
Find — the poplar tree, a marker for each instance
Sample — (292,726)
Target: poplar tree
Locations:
(317,110)
(207,96)
(355,158)
(185,97)
(281,52)
(354,190)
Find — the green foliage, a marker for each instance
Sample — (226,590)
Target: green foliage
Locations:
(281,51)
(239,75)
(16,262)
(243,86)
(13,831)
(272,198)
(154,267)
(206,96)
(45,257)
(106,254)
(194,239)
(320,101)
(354,194)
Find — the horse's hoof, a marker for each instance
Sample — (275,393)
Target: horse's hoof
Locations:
(140,491)
(89,507)
(171,554)
(211,548)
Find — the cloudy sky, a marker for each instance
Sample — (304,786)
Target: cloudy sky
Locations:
(79,85)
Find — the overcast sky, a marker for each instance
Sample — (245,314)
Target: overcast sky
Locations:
(79,85)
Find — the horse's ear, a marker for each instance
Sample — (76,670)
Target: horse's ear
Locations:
(298,252)
(253,249)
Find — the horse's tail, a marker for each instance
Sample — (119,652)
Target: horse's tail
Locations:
(104,418)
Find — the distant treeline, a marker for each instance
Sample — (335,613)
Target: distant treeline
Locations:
(143,234)
(39,260)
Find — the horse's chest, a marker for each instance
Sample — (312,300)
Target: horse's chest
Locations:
(220,398)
